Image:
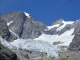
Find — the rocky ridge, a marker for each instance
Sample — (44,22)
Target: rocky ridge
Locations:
(27,28)
(6,54)
(24,26)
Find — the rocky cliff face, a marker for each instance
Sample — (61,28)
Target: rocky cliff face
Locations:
(26,27)
(23,25)
(75,44)
(6,54)
(30,55)
(59,27)
(4,31)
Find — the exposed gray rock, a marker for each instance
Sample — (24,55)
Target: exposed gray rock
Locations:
(53,31)
(32,29)
(23,26)
(18,19)
(6,54)
(70,55)
(75,44)
(58,22)
(77,26)
(66,28)
(30,55)
(4,31)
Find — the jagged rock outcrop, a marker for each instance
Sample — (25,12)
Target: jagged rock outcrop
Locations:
(6,54)
(24,26)
(27,28)
(58,22)
(30,55)
(64,27)
(4,31)
(75,44)
(77,27)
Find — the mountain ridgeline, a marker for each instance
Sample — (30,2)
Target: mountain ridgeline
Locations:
(24,25)
(21,26)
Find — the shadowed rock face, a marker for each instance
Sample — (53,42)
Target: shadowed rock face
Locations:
(75,44)
(77,27)
(17,18)
(29,28)
(6,54)
(23,26)
(30,55)
(4,31)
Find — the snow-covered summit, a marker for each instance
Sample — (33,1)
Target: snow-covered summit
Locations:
(64,24)
(27,14)
(60,24)
(59,21)
(61,31)
(56,25)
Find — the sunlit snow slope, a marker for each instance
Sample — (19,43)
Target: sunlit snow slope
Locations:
(65,38)
(33,45)
(5,43)
(44,43)
(28,15)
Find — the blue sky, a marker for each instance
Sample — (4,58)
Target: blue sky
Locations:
(46,11)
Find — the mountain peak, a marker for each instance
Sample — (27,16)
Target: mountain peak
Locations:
(27,14)
(59,21)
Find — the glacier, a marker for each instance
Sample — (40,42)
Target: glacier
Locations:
(43,43)
(66,38)
(31,45)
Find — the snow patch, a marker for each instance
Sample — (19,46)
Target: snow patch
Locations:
(64,24)
(34,22)
(28,15)
(9,23)
(14,33)
(66,38)
(49,27)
